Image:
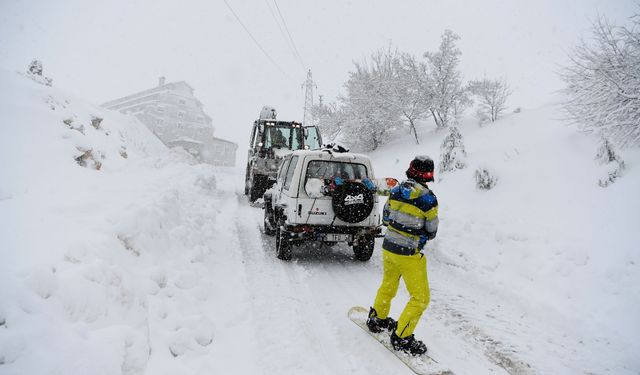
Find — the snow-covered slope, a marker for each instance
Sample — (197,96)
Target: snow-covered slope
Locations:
(85,247)
(150,264)
(551,243)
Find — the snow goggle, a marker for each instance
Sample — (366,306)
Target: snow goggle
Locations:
(425,175)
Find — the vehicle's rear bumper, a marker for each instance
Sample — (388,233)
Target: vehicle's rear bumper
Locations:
(318,233)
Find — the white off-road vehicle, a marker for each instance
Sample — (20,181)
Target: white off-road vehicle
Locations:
(326,195)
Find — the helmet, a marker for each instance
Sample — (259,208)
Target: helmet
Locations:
(421,169)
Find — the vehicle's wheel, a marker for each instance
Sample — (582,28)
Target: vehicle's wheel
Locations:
(246,181)
(269,224)
(364,249)
(257,187)
(283,247)
(352,202)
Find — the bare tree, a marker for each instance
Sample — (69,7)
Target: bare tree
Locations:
(445,81)
(603,82)
(492,96)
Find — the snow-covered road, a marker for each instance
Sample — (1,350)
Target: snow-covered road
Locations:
(286,317)
(280,317)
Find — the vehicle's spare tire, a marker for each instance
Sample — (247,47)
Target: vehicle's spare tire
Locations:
(352,202)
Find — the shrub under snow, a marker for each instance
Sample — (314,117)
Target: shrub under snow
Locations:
(485,180)
(612,162)
(34,71)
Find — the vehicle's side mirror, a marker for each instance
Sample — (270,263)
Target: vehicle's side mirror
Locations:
(314,188)
(384,185)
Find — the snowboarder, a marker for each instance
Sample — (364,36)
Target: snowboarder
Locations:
(411,217)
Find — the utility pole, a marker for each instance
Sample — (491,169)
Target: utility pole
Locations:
(309,86)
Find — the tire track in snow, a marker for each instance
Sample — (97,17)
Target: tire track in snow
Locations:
(319,321)
(291,325)
(460,314)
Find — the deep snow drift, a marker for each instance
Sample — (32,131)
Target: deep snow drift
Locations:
(154,265)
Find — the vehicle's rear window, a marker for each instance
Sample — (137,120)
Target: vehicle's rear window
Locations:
(330,169)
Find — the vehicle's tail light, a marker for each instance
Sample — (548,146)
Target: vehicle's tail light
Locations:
(302,228)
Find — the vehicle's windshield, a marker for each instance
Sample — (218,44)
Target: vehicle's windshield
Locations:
(282,137)
(330,169)
(312,139)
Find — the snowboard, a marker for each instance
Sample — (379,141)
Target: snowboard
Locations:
(421,365)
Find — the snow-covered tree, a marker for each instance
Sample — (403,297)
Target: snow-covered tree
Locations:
(371,114)
(603,82)
(452,153)
(329,118)
(610,161)
(449,97)
(410,91)
(485,180)
(492,97)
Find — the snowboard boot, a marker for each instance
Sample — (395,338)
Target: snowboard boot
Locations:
(378,325)
(408,344)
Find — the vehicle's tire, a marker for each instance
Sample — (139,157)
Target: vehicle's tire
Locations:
(364,249)
(352,202)
(269,223)
(246,182)
(257,188)
(283,247)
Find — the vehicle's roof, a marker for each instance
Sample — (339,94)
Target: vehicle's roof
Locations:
(326,154)
(281,122)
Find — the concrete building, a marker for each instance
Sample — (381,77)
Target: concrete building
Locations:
(175,115)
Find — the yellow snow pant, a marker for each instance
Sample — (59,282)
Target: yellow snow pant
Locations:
(413,270)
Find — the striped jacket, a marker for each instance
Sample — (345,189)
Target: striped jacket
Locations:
(411,217)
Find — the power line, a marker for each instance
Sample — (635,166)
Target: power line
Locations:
(288,33)
(273,15)
(254,40)
(284,35)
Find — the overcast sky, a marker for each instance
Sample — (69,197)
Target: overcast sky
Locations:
(102,50)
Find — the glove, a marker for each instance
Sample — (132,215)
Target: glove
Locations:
(369,184)
(422,242)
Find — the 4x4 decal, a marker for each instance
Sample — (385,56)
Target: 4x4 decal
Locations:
(353,199)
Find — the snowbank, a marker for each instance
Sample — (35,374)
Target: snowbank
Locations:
(92,221)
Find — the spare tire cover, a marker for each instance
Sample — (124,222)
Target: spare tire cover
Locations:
(352,202)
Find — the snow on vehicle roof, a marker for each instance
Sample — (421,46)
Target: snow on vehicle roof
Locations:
(326,153)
